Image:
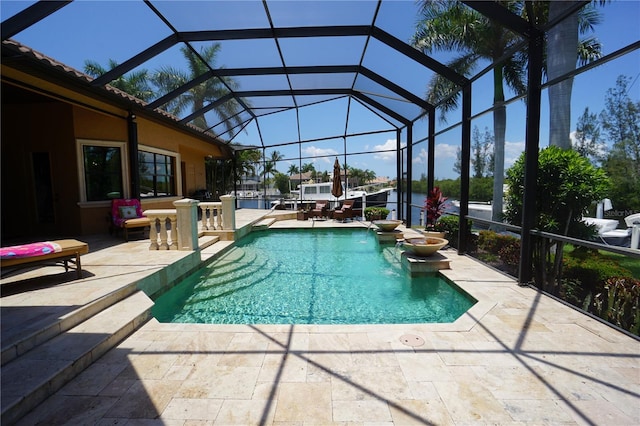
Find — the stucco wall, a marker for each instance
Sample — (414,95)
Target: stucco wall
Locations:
(54,127)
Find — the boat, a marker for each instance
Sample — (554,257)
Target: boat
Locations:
(308,193)
(478,209)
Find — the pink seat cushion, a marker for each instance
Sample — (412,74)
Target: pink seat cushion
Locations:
(118,219)
(29,250)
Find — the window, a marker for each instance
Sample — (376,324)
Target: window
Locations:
(157,172)
(325,189)
(102,170)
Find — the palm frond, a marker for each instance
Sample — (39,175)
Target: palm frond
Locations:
(589,50)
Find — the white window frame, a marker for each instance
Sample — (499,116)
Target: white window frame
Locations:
(178,170)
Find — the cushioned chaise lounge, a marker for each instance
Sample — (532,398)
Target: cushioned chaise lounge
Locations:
(64,252)
(320,210)
(345,211)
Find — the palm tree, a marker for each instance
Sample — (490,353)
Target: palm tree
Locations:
(270,164)
(369,176)
(169,78)
(293,170)
(450,26)
(564,49)
(246,161)
(134,83)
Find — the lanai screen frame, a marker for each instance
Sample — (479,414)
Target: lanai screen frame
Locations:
(533,40)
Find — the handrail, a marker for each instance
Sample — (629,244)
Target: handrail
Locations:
(589,244)
(576,241)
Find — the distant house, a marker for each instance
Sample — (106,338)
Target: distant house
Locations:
(297,179)
(68,148)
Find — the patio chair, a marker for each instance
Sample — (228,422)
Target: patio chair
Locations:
(320,210)
(345,211)
(126,214)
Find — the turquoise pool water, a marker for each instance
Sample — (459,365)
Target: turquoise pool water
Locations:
(311,277)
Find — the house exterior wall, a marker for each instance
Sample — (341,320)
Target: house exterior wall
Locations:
(45,128)
(54,127)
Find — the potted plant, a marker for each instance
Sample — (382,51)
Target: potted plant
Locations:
(434,205)
(375,213)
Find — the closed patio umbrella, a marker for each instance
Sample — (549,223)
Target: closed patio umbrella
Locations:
(336,189)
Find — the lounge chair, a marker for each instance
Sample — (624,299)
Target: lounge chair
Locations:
(345,211)
(127,214)
(320,210)
(65,252)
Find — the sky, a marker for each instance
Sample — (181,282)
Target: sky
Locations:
(97,30)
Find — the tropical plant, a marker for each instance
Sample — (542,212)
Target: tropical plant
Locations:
(270,164)
(449,26)
(135,83)
(619,303)
(434,205)
(453,27)
(567,184)
(293,170)
(245,164)
(169,78)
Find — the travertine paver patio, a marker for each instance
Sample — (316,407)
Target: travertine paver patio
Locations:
(517,357)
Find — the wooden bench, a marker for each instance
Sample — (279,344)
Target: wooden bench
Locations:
(70,253)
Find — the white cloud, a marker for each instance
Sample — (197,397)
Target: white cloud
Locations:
(512,151)
(445,151)
(320,163)
(390,144)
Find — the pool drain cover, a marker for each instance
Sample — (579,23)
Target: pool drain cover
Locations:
(412,340)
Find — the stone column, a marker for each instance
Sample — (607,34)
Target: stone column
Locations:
(187,223)
(228,212)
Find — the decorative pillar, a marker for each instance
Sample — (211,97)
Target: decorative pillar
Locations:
(187,223)
(228,212)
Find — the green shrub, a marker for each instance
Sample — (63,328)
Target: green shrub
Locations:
(507,247)
(493,242)
(510,253)
(592,270)
(374,213)
(619,303)
(451,225)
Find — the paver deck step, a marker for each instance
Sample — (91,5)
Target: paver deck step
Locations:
(31,378)
(38,332)
(264,223)
(205,241)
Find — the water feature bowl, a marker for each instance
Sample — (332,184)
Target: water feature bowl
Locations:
(424,246)
(387,225)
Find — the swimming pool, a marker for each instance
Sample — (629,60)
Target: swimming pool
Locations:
(338,276)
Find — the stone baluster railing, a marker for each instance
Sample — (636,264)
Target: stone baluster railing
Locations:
(211,215)
(161,237)
(177,229)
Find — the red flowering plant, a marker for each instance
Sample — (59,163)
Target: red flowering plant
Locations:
(434,205)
